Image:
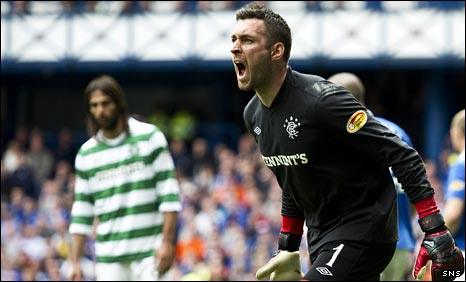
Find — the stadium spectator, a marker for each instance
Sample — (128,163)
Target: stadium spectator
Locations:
(181,157)
(201,156)
(441,5)
(22,137)
(125,178)
(333,5)
(17,172)
(65,149)
(8,273)
(63,176)
(186,6)
(434,180)
(134,7)
(5,171)
(398,268)
(77,7)
(129,8)
(332,161)
(12,156)
(313,6)
(20,8)
(109,7)
(374,5)
(39,158)
(46,7)
(190,246)
(454,196)
(207,6)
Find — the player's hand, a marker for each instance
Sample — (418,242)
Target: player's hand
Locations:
(447,259)
(284,266)
(165,256)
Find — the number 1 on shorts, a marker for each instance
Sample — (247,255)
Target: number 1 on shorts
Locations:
(335,254)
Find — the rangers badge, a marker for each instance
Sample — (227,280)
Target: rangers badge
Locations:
(290,125)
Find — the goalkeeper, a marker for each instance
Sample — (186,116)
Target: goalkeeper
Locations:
(332,162)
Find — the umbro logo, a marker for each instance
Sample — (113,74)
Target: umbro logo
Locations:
(324,271)
(429,243)
(257,130)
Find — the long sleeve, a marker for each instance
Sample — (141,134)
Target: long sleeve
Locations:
(349,120)
(166,184)
(289,207)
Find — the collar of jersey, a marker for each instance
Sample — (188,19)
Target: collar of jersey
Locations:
(282,92)
(111,141)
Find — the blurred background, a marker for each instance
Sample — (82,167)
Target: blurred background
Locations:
(173,61)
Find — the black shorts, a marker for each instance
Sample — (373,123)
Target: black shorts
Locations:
(349,260)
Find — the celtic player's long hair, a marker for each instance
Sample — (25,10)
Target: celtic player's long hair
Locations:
(110,87)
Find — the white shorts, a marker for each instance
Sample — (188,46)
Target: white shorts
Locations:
(138,270)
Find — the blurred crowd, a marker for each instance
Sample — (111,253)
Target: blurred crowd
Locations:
(137,7)
(37,195)
(228,226)
(227,229)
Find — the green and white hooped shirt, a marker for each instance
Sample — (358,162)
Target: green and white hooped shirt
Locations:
(126,183)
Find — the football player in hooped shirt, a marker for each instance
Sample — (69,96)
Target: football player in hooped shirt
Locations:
(332,162)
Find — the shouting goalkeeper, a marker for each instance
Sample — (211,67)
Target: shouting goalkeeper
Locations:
(332,162)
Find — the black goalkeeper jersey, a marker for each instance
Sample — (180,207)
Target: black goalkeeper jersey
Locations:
(331,159)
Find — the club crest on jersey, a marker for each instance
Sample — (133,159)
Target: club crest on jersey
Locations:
(356,121)
(290,126)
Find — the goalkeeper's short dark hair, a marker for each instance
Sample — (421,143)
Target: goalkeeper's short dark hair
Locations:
(276,27)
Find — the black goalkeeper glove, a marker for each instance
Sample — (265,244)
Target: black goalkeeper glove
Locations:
(438,245)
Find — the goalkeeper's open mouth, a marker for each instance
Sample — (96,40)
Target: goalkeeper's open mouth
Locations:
(240,68)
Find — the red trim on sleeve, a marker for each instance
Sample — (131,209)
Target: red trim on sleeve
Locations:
(426,207)
(292,225)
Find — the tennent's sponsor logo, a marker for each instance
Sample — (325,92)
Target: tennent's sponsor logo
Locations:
(283,160)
